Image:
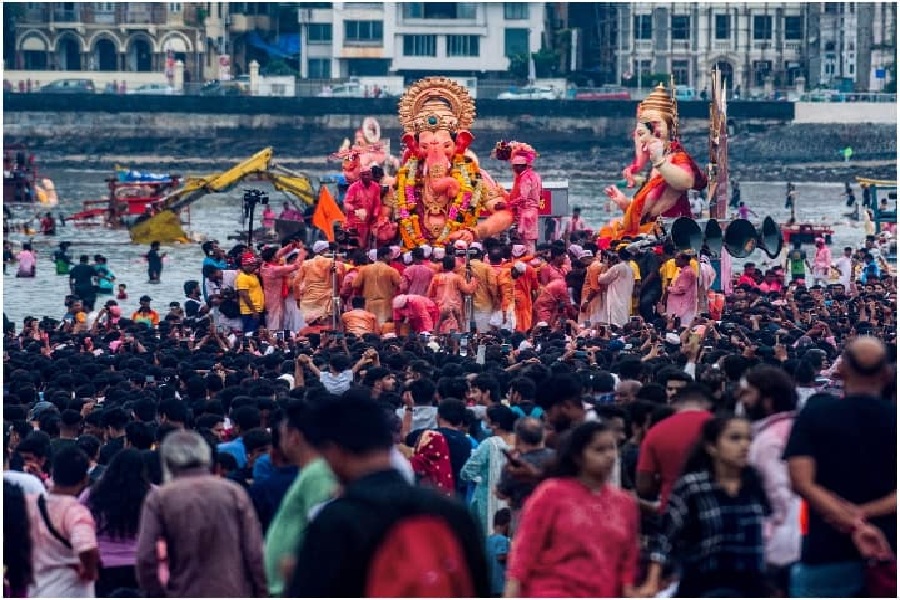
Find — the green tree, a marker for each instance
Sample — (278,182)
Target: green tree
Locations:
(546,63)
(518,66)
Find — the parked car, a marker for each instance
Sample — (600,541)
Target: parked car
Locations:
(684,92)
(222,88)
(153,89)
(604,92)
(531,92)
(344,90)
(68,86)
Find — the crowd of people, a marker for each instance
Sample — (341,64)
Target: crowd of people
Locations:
(483,420)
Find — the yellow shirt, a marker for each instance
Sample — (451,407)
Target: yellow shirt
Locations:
(254,289)
(668,272)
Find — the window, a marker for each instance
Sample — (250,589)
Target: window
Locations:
(174,7)
(681,27)
(463,45)
(723,27)
(367,32)
(643,67)
(319,68)
(793,28)
(419,45)
(515,11)
(850,69)
(440,10)
(100,7)
(830,46)
(34,59)
(681,71)
(318,33)
(515,42)
(762,27)
(761,70)
(643,27)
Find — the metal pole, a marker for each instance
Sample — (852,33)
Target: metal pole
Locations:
(250,226)
(469,308)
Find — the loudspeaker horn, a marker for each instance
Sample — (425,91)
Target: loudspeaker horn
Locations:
(713,237)
(770,238)
(686,234)
(740,238)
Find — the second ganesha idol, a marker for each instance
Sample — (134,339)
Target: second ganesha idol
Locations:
(440,189)
(673,171)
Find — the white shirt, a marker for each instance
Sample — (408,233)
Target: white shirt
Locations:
(28,482)
(845,266)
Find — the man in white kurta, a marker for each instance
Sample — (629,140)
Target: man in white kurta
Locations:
(615,308)
(707,278)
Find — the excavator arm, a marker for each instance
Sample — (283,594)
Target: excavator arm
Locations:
(165,226)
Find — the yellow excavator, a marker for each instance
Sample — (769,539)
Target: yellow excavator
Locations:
(165,225)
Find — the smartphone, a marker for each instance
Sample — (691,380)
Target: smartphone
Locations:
(505,348)
(464,345)
(480,354)
(279,335)
(149,379)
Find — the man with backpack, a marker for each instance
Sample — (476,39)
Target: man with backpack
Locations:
(382,537)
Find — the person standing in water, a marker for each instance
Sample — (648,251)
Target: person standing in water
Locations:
(744,211)
(790,195)
(154,262)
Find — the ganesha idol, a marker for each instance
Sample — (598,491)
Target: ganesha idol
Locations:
(673,173)
(440,189)
(367,150)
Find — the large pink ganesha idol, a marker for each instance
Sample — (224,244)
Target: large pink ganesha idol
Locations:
(440,189)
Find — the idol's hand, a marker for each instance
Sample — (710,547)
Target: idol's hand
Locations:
(656,150)
(616,195)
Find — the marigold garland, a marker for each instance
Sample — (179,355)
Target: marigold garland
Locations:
(462,213)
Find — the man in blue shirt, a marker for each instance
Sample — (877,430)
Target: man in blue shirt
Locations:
(243,420)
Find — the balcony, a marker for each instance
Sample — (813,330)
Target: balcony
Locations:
(792,45)
(681,44)
(135,14)
(762,45)
(643,45)
(723,45)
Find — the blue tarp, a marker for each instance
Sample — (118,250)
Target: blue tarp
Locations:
(286,45)
(124,175)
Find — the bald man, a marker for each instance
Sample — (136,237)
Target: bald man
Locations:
(842,459)
(626,391)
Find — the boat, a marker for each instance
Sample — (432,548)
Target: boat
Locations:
(22,184)
(805,233)
(131,194)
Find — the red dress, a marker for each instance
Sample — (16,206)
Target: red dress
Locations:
(575,543)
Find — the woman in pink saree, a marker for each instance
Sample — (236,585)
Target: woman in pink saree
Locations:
(274,282)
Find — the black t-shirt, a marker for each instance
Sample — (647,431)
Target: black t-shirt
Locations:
(82,276)
(853,441)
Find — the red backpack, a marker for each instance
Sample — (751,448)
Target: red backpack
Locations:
(420,557)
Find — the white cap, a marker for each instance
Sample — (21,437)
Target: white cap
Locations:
(525,345)
(400,301)
(673,338)
(320,246)
(426,250)
(575,250)
(289,378)
(519,266)
(542,324)
(518,250)
(434,346)
(372,254)
(407,258)
(395,252)
(460,244)
(438,253)
(586,254)
(477,246)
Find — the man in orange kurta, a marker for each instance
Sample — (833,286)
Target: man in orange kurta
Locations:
(525,287)
(359,321)
(315,282)
(446,290)
(378,284)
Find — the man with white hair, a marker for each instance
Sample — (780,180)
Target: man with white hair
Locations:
(420,312)
(315,277)
(207,522)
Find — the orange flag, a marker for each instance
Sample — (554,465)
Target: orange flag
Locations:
(327,212)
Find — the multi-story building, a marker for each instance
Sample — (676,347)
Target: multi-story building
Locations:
(413,38)
(109,36)
(758,46)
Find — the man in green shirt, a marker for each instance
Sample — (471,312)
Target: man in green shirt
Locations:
(315,485)
(796,262)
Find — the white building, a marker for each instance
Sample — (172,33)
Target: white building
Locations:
(757,46)
(358,39)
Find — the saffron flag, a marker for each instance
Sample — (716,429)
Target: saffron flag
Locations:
(327,212)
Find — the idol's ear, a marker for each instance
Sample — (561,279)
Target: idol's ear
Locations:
(463,139)
(409,140)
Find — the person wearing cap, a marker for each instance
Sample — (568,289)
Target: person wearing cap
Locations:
(525,290)
(681,296)
(420,312)
(416,277)
(315,280)
(437,258)
(525,197)
(274,276)
(145,314)
(503,317)
(251,300)
(618,283)
(362,205)
(486,297)
(821,262)
(378,284)
(446,290)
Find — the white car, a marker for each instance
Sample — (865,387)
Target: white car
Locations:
(153,89)
(531,92)
(346,90)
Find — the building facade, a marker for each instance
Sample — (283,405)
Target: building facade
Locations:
(109,36)
(759,47)
(351,39)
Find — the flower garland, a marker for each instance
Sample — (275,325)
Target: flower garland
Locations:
(462,213)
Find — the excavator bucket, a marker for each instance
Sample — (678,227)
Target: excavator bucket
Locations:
(164,227)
